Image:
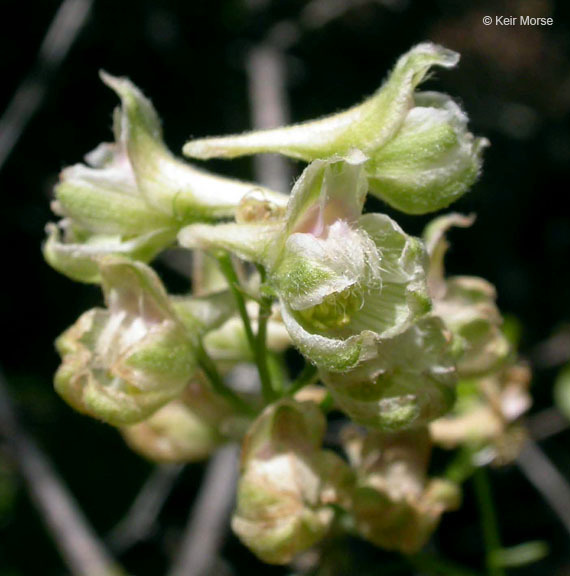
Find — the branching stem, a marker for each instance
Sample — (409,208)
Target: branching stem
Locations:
(257,343)
(217,382)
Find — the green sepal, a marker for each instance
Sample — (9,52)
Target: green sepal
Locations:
(76,254)
(431,162)
(408,382)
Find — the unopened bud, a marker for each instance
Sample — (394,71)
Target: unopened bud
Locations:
(122,363)
(287,483)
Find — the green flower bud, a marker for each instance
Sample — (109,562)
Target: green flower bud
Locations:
(287,483)
(394,504)
(487,414)
(409,382)
(172,434)
(420,155)
(467,306)
(187,429)
(431,162)
(122,363)
(343,280)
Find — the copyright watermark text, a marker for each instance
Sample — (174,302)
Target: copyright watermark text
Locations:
(517,21)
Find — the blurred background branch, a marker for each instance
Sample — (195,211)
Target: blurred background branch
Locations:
(546,478)
(141,519)
(67,23)
(209,518)
(78,544)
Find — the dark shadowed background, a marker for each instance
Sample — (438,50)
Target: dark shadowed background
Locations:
(190,58)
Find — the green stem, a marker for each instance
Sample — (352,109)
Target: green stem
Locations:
(261,343)
(438,566)
(461,467)
(256,344)
(489,522)
(307,376)
(217,382)
(327,403)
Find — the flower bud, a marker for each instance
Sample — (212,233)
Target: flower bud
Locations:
(287,483)
(420,155)
(188,429)
(343,280)
(122,363)
(431,162)
(172,434)
(394,504)
(409,382)
(467,306)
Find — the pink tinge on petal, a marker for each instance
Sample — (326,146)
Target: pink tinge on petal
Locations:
(320,217)
(311,222)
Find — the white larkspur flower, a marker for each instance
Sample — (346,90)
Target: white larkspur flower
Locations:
(287,482)
(343,280)
(171,186)
(420,155)
(132,196)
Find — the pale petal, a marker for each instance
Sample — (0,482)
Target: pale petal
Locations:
(77,257)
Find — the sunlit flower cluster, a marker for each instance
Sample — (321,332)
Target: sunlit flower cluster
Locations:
(410,358)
